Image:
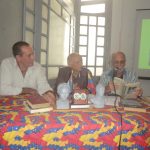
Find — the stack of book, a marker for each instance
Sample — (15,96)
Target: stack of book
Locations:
(37,103)
(134,105)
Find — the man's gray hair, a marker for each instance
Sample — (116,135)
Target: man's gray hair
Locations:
(116,53)
(71,56)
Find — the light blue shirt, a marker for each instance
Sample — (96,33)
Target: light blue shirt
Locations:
(128,77)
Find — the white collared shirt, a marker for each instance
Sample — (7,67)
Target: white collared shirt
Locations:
(12,81)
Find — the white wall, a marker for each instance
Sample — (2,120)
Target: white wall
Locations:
(10,25)
(123,30)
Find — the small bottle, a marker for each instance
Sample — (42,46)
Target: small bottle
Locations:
(98,99)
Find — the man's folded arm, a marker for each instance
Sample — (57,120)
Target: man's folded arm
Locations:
(9,90)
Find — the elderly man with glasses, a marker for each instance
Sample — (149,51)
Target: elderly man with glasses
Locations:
(118,62)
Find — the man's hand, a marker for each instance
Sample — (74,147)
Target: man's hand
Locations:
(29,91)
(138,92)
(110,88)
(50,97)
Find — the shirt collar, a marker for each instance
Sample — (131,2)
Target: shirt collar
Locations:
(16,64)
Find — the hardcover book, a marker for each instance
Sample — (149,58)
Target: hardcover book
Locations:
(80,106)
(80,99)
(37,101)
(80,96)
(37,110)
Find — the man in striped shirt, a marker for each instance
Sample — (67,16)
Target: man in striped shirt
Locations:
(118,69)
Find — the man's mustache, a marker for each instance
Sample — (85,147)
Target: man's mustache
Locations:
(116,69)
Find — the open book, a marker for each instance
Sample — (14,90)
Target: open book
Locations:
(124,89)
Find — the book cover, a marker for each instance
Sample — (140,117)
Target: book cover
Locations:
(37,110)
(79,99)
(123,89)
(37,101)
(80,96)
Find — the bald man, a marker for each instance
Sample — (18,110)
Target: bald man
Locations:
(75,75)
(118,69)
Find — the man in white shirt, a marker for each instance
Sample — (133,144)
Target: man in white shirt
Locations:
(21,74)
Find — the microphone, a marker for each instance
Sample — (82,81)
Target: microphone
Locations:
(118,72)
(114,75)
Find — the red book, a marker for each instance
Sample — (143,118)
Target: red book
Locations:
(37,110)
(37,101)
(80,97)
